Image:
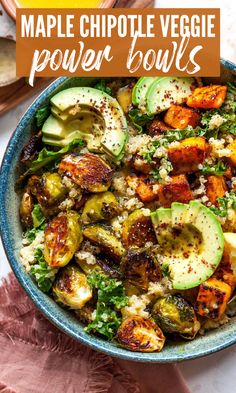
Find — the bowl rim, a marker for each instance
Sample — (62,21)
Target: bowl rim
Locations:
(36,295)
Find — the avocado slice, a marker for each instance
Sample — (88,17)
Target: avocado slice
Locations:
(82,109)
(191,242)
(164,92)
(140,90)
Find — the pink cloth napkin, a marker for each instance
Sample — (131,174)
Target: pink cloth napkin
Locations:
(35,357)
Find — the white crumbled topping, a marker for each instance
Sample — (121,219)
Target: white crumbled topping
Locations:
(201,189)
(67,204)
(119,183)
(28,250)
(86,256)
(137,143)
(117,223)
(130,191)
(204,199)
(146,212)
(160,152)
(136,306)
(155,188)
(164,169)
(132,204)
(216,121)
(218,148)
(233,182)
(68,182)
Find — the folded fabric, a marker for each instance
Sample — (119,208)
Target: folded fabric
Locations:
(38,358)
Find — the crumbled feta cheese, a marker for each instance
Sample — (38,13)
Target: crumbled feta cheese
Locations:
(216,121)
(28,249)
(86,256)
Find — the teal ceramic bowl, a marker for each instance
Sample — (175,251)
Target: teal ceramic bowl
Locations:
(11,232)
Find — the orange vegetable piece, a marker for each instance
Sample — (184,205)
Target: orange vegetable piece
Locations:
(188,154)
(215,188)
(207,97)
(232,147)
(142,187)
(178,190)
(157,127)
(212,299)
(180,117)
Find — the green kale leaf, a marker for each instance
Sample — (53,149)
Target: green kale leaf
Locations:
(37,216)
(225,203)
(43,274)
(110,299)
(101,85)
(41,115)
(139,119)
(47,157)
(218,169)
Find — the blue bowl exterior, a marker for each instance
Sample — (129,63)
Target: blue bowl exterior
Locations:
(11,235)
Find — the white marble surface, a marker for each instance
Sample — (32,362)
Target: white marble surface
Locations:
(215,373)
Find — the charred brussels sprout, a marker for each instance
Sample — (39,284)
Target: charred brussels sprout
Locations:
(89,171)
(48,189)
(105,240)
(174,315)
(138,230)
(102,265)
(140,335)
(53,187)
(62,238)
(100,207)
(26,208)
(139,267)
(71,288)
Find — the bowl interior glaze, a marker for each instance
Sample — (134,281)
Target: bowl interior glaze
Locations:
(11,235)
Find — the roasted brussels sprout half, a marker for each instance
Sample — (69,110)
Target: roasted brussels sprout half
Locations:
(26,208)
(100,207)
(139,267)
(62,238)
(48,190)
(54,189)
(100,265)
(174,315)
(105,240)
(140,335)
(71,288)
(138,230)
(89,171)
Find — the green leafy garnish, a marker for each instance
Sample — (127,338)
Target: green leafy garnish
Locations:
(41,115)
(165,270)
(47,157)
(42,273)
(31,234)
(218,169)
(110,299)
(37,216)
(139,119)
(225,203)
(101,85)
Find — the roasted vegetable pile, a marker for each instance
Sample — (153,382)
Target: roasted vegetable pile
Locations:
(128,207)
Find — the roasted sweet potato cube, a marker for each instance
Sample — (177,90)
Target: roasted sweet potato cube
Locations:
(142,187)
(215,188)
(232,148)
(188,154)
(177,190)
(140,165)
(157,127)
(180,117)
(207,97)
(212,299)
(145,191)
